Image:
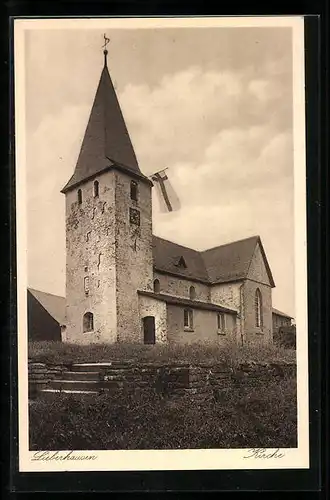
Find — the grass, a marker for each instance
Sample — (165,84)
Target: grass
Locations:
(58,352)
(261,416)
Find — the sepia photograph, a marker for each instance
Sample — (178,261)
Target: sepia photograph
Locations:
(161,243)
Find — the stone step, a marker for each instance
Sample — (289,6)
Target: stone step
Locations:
(80,376)
(75,385)
(68,391)
(92,367)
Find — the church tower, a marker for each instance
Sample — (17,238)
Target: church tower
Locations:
(108,229)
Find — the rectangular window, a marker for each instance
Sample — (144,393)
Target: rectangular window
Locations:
(86,285)
(134,191)
(188,319)
(221,320)
(134,216)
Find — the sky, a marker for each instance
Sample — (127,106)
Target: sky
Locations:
(213,105)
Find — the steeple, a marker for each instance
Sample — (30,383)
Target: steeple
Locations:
(106,143)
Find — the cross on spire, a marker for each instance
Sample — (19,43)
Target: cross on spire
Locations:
(105,51)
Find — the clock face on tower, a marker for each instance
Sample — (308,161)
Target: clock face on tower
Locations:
(134,216)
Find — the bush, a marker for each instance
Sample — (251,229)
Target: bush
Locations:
(57,352)
(262,416)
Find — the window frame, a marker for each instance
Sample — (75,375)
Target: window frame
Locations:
(88,316)
(134,193)
(96,189)
(221,323)
(192,292)
(156,285)
(86,285)
(258,309)
(79,196)
(189,326)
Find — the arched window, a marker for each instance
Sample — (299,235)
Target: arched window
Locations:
(156,286)
(258,308)
(79,196)
(134,191)
(88,322)
(96,189)
(192,292)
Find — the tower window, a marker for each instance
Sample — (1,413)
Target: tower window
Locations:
(156,286)
(258,308)
(134,191)
(192,293)
(134,216)
(86,285)
(79,194)
(188,319)
(221,323)
(88,322)
(96,189)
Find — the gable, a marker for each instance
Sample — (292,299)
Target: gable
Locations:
(258,267)
(229,262)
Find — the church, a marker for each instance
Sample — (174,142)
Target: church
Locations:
(124,284)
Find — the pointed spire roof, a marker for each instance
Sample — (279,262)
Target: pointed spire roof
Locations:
(106,142)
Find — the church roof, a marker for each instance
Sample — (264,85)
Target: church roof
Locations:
(230,262)
(106,143)
(180,301)
(167,256)
(54,304)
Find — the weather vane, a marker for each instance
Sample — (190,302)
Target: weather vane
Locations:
(106,41)
(105,52)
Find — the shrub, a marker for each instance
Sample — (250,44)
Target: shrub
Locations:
(57,352)
(262,416)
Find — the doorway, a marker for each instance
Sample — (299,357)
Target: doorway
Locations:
(149,336)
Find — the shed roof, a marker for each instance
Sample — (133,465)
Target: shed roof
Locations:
(54,304)
(280,313)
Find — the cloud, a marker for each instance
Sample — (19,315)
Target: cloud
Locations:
(226,137)
(51,159)
(176,120)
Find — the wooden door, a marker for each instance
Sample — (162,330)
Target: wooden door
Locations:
(149,330)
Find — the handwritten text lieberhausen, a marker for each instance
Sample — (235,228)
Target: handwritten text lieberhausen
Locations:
(49,456)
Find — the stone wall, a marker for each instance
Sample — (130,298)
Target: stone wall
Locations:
(204,326)
(180,287)
(134,258)
(112,253)
(199,380)
(90,253)
(253,334)
(152,307)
